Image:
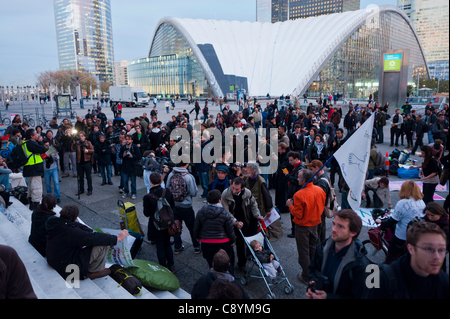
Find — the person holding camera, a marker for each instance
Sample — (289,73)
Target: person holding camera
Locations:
(67,140)
(84,150)
(130,154)
(337,269)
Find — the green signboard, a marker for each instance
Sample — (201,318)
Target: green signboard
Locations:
(392,62)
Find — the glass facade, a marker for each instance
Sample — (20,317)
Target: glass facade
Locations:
(431,21)
(84,37)
(355,67)
(439,70)
(263,10)
(171,67)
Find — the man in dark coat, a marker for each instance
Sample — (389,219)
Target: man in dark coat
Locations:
(338,269)
(72,243)
(161,237)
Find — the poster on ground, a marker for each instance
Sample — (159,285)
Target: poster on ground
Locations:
(120,253)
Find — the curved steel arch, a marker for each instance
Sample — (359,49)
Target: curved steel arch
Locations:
(271,40)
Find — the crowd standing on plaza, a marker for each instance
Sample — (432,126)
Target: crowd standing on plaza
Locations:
(236,195)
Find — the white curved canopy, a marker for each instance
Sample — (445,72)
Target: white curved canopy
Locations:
(276,58)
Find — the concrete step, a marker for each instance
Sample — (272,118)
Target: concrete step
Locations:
(51,284)
(102,288)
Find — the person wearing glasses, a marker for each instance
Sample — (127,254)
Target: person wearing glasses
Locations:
(417,274)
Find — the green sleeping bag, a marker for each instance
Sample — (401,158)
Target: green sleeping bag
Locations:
(154,275)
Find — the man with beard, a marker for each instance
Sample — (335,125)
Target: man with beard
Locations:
(339,264)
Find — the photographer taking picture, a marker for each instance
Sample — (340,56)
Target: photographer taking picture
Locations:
(84,150)
(130,154)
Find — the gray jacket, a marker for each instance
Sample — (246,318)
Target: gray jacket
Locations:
(190,184)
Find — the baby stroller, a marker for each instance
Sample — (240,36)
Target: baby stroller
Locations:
(261,236)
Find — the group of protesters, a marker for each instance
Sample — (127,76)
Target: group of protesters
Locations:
(237,194)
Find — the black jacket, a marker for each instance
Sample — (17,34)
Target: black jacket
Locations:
(406,284)
(37,234)
(349,280)
(203,285)
(149,211)
(213,222)
(71,243)
(128,161)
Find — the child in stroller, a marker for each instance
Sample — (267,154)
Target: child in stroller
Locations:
(267,259)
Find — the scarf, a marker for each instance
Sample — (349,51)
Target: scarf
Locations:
(224,183)
(319,147)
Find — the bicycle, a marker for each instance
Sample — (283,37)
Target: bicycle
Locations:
(27,118)
(378,238)
(44,122)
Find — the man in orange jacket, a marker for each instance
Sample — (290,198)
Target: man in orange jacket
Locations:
(306,207)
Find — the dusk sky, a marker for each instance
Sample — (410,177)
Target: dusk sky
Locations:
(28,36)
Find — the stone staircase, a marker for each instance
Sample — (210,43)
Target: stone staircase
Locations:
(15,226)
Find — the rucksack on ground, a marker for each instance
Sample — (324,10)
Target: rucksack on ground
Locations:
(18,157)
(379,160)
(163,217)
(178,186)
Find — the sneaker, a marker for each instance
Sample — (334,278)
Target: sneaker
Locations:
(124,195)
(197,250)
(176,251)
(133,196)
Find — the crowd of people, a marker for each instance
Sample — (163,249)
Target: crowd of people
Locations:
(237,195)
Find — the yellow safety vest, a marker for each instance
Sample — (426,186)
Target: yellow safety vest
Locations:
(33,159)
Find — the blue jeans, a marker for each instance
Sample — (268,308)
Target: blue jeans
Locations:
(102,169)
(204,181)
(129,176)
(48,176)
(4,180)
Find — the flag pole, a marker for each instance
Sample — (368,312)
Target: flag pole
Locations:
(332,156)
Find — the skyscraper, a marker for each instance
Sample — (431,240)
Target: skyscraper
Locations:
(84,37)
(283,10)
(430,19)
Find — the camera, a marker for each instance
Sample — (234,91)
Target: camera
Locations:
(321,283)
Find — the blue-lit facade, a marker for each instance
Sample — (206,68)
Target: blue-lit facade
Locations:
(84,37)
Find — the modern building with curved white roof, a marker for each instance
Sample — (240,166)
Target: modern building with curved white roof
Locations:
(331,53)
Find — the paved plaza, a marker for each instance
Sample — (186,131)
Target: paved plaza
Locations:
(101,210)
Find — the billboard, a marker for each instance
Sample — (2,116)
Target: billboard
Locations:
(393,62)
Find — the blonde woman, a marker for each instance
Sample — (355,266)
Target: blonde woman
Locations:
(408,207)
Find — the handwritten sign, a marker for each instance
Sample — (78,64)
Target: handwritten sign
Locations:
(366,216)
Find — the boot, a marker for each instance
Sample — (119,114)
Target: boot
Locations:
(409,146)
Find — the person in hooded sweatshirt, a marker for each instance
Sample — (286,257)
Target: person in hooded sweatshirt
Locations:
(219,271)
(213,228)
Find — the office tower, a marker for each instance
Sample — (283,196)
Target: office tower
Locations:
(84,37)
(283,10)
(430,19)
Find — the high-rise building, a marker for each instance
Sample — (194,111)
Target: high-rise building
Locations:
(121,73)
(430,20)
(84,37)
(283,10)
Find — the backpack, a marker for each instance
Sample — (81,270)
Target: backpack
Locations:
(379,161)
(331,205)
(18,157)
(163,217)
(178,186)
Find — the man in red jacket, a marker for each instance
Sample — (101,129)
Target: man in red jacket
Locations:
(306,207)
